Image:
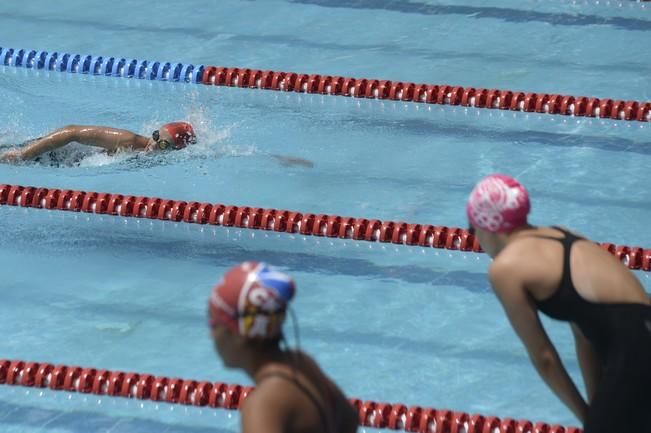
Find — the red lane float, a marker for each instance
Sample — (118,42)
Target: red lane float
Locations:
(308,224)
(228,396)
(441,94)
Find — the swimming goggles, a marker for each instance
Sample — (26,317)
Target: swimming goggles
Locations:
(164,144)
(213,321)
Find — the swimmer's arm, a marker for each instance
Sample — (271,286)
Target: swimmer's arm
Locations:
(48,143)
(111,139)
(591,368)
(11,156)
(265,411)
(508,282)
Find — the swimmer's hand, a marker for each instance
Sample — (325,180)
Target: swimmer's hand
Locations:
(290,161)
(11,156)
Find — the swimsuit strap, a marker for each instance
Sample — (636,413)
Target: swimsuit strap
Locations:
(567,241)
(305,390)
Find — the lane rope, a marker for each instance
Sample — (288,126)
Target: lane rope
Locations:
(278,220)
(442,94)
(140,386)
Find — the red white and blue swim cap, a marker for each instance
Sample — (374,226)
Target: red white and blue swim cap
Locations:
(498,204)
(182,133)
(251,300)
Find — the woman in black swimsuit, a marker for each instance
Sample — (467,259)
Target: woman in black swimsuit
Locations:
(569,278)
(246,311)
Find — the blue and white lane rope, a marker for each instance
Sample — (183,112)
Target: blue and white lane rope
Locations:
(100,65)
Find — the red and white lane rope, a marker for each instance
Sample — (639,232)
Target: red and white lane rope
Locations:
(278,220)
(226,396)
(442,94)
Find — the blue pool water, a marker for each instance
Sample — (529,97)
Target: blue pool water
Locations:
(389,323)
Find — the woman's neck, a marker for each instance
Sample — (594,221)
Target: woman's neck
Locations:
(502,240)
(259,360)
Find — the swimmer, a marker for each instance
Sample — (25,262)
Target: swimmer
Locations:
(246,311)
(170,136)
(569,278)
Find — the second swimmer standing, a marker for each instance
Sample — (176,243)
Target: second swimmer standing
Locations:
(567,277)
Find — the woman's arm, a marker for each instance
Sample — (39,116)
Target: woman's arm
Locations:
(48,143)
(591,368)
(111,139)
(508,282)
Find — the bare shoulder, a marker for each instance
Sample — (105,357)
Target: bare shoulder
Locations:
(264,411)
(306,359)
(518,264)
(268,399)
(512,257)
(257,398)
(108,137)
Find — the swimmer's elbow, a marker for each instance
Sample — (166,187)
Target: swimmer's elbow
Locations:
(71,132)
(69,128)
(545,361)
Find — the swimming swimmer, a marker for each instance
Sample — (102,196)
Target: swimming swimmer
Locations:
(170,136)
(246,311)
(569,278)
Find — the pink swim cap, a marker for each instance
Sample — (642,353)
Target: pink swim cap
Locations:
(498,204)
(251,300)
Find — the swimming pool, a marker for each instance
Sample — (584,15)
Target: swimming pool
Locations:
(389,323)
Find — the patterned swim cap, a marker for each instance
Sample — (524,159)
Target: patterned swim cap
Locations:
(251,300)
(182,133)
(498,204)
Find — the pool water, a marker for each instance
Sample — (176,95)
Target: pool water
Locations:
(388,323)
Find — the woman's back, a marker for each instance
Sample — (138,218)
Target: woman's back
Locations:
(315,403)
(574,280)
(596,274)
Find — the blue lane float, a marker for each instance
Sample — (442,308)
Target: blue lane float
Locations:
(99,65)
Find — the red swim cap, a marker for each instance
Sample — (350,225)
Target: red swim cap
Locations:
(498,204)
(182,133)
(251,300)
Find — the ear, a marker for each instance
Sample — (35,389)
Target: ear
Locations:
(239,341)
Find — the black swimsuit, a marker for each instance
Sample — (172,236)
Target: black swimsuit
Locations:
(59,157)
(325,421)
(621,335)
